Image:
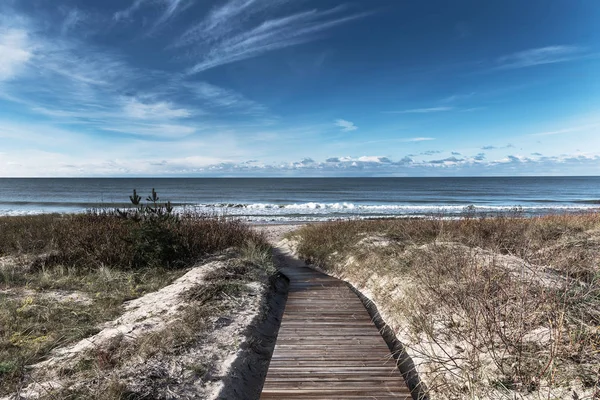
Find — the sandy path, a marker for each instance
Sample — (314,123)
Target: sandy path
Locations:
(275,233)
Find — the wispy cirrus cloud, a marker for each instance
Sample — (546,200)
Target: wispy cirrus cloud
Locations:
(346,126)
(15,50)
(134,108)
(421,110)
(155,130)
(540,56)
(127,12)
(225,20)
(172,8)
(573,129)
(400,140)
(243,29)
(98,90)
(68,81)
(458,97)
(225,99)
(169,10)
(74,17)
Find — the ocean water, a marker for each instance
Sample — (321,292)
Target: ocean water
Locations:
(309,199)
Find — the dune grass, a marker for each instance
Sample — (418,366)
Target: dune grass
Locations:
(61,276)
(503,307)
(186,347)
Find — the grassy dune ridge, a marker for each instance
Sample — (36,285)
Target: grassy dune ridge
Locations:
(62,276)
(499,308)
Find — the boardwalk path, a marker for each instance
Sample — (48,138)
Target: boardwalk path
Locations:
(327,346)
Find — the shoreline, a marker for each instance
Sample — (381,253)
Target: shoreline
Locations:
(320,215)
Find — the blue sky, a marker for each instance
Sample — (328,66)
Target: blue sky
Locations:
(299,88)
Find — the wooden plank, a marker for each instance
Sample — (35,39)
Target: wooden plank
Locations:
(295,364)
(328,347)
(366,393)
(354,373)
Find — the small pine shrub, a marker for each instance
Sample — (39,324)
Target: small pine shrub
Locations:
(154,232)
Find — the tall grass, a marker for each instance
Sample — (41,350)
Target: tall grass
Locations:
(102,255)
(560,240)
(98,238)
(504,307)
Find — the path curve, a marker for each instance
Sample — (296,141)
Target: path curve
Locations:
(327,346)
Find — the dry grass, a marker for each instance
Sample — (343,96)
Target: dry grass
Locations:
(504,307)
(99,238)
(47,258)
(36,316)
(182,358)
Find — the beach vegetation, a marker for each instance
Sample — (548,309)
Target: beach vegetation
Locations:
(488,307)
(63,275)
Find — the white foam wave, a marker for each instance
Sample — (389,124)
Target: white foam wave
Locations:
(314,211)
(319,211)
(388,207)
(19,213)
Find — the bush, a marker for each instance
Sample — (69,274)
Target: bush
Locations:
(154,233)
(146,235)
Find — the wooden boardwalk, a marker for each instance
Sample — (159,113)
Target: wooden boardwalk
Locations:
(328,347)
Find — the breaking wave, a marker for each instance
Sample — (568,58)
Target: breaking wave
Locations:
(313,211)
(316,211)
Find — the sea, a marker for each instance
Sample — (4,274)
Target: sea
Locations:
(286,200)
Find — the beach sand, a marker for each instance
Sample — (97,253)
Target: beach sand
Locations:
(276,232)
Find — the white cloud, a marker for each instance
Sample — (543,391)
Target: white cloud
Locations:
(73,18)
(374,159)
(38,134)
(53,152)
(36,163)
(224,36)
(383,166)
(418,139)
(539,56)
(568,130)
(222,98)
(126,13)
(170,8)
(457,97)
(449,161)
(76,83)
(168,131)
(346,126)
(492,147)
(422,110)
(15,52)
(192,162)
(161,110)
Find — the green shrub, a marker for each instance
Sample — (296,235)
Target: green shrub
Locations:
(154,233)
(148,234)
